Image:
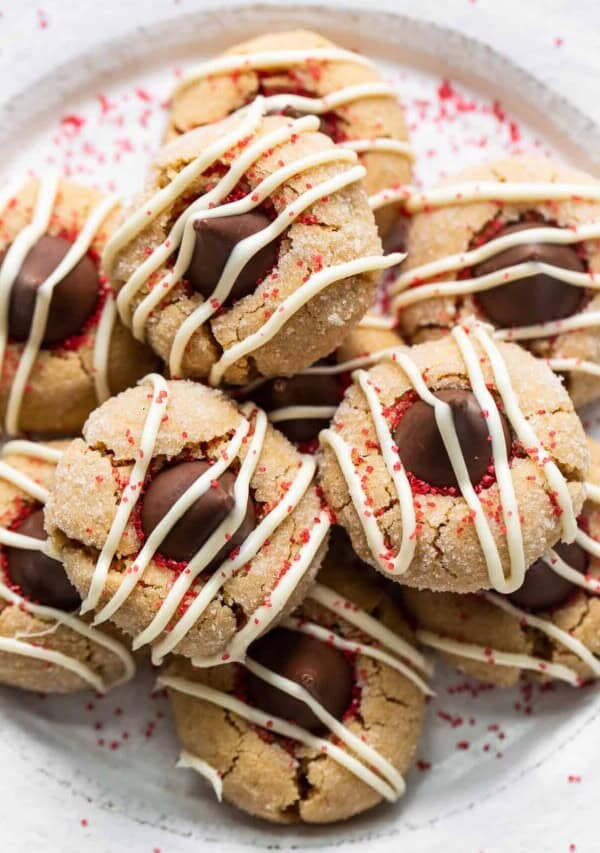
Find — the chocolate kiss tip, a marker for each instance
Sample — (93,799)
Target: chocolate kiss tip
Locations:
(215,241)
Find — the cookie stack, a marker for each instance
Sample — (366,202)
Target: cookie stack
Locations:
(241,468)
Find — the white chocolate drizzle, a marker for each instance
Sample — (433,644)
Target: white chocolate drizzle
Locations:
(289,730)
(398,564)
(210,205)
(575,365)
(295,413)
(267,60)
(495,657)
(302,412)
(378,321)
(554,561)
(592,492)
(415,200)
(367,624)
(367,360)
(287,59)
(369,756)
(15,256)
(268,612)
(187,760)
(16,645)
(127,504)
(395,654)
(548,628)
(587,582)
(22,447)
(251,432)
(100,354)
(325,635)
(17,478)
(316,283)
(226,529)
(340,98)
(362,146)
(420,284)
(587,543)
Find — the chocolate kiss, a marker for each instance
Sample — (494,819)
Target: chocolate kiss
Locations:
(538,299)
(396,238)
(40,578)
(299,390)
(73,300)
(216,240)
(318,667)
(543,588)
(422,450)
(204,516)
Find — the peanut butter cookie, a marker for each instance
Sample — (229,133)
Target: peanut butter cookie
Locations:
(456,464)
(516,243)
(44,645)
(325,714)
(61,348)
(205,526)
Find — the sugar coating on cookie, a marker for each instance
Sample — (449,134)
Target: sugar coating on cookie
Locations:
(515,242)
(62,350)
(44,645)
(298,73)
(317,728)
(486,476)
(252,253)
(205,526)
(302,405)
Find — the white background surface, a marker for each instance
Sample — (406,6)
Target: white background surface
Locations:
(558,42)
(37,34)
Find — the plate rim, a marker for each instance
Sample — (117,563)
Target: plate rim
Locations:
(569,119)
(579,132)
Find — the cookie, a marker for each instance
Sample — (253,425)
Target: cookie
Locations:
(61,348)
(205,527)
(324,716)
(302,405)
(550,626)
(253,252)
(515,242)
(456,464)
(44,645)
(301,72)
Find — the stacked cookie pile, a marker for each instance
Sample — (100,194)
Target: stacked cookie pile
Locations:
(281,459)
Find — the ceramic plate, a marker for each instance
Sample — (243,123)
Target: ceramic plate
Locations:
(497,770)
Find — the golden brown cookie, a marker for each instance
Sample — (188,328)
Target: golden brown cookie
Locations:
(253,251)
(476,244)
(302,405)
(475,517)
(204,528)
(345,645)
(498,644)
(61,349)
(304,64)
(44,645)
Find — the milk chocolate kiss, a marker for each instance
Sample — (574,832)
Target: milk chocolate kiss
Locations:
(40,578)
(300,390)
(543,588)
(73,300)
(318,667)
(215,241)
(190,533)
(422,450)
(537,299)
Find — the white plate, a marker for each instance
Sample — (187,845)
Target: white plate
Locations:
(510,770)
